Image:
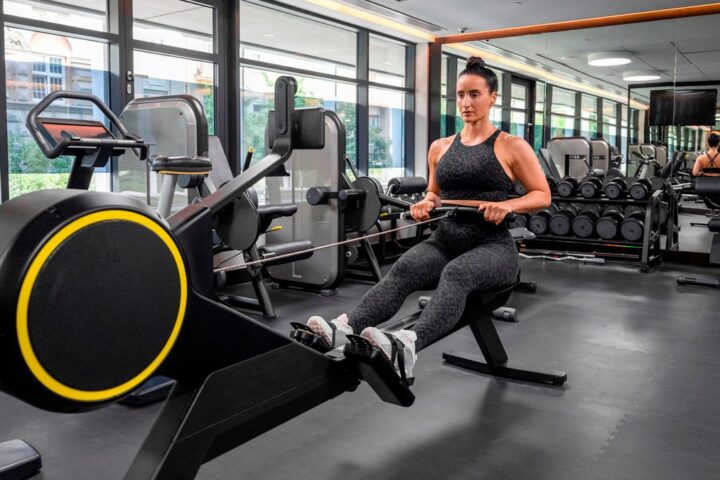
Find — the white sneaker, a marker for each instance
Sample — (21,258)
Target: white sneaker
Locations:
(334,332)
(398,358)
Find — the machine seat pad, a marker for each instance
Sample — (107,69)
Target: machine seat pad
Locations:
(181,165)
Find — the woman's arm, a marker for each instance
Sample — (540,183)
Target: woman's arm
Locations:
(421,210)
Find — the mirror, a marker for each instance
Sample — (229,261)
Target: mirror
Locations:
(654,56)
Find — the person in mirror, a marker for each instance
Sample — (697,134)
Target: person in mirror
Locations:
(708,164)
(476,167)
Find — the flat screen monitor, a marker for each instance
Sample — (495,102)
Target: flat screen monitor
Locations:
(683,107)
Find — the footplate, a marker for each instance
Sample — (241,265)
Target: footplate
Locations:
(303,334)
(372,366)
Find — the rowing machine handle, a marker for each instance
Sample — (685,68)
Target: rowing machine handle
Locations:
(452,211)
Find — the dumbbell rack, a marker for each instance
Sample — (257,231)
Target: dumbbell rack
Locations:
(650,246)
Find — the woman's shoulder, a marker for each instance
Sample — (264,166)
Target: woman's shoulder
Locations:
(439,147)
(509,141)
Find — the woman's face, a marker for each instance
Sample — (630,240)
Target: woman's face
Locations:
(474,98)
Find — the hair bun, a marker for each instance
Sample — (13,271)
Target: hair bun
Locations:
(475,62)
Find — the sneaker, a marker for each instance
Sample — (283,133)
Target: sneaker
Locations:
(398,347)
(334,332)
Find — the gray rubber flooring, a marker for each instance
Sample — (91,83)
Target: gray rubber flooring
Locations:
(641,400)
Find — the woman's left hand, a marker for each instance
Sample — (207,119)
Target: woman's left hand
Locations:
(495,212)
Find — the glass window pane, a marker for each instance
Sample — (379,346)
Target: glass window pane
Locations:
(281,38)
(539,96)
(518,123)
(563,101)
(174,23)
(387,62)
(443,118)
(386,149)
(257,95)
(495,116)
(159,75)
(609,112)
(37,63)
(589,107)
(539,130)
(443,76)
(89,14)
(561,126)
(609,133)
(519,95)
(588,129)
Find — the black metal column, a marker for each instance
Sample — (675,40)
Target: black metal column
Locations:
(434,91)
(362,133)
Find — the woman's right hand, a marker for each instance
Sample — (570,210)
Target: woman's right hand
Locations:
(421,211)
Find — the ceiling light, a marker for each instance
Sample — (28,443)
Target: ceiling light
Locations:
(608,59)
(640,76)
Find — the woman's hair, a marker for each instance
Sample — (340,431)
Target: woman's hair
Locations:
(713,139)
(476,66)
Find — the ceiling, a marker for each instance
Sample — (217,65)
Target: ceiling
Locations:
(679,50)
(487,15)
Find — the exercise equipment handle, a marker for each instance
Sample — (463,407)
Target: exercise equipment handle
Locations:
(34,126)
(453,211)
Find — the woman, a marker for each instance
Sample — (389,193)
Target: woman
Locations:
(476,168)
(706,164)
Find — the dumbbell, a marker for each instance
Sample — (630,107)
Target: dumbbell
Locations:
(633,226)
(616,187)
(552,183)
(591,186)
(608,225)
(520,221)
(561,222)
(641,189)
(539,223)
(583,225)
(568,186)
(519,188)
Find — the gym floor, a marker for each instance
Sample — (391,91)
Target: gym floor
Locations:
(641,400)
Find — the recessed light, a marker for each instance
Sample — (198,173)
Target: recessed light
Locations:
(640,76)
(269,35)
(608,59)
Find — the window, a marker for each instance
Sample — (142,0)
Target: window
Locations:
(610,121)
(175,23)
(257,98)
(56,65)
(30,75)
(88,14)
(386,145)
(56,84)
(322,56)
(563,102)
(539,140)
(294,41)
(387,62)
(562,120)
(39,87)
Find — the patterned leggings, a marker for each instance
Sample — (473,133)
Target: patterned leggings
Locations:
(457,259)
